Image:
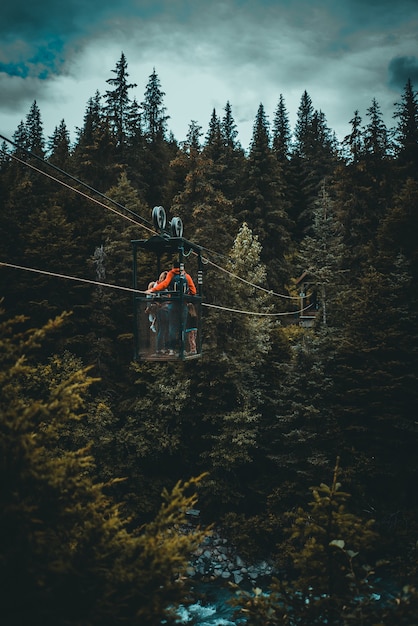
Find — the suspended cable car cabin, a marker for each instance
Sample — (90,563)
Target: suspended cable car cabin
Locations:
(167,323)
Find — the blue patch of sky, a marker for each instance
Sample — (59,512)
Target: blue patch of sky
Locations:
(44,61)
(15,69)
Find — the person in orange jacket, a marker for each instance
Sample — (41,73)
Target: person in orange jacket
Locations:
(167,283)
(174,314)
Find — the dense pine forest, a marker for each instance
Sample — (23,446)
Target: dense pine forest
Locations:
(295,438)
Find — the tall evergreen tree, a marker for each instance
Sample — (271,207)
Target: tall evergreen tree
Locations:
(59,146)
(406,113)
(262,204)
(229,128)
(353,146)
(118,101)
(376,138)
(313,159)
(282,134)
(237,345)
(323,253)
(20,138)
(154,111)
(202,205)
(34,131)
(363,188)
(157,153)
(223,147)
(303,131)
(214,142)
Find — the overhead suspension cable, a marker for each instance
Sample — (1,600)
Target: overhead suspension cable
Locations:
(74,178)
(131,290)
(121,206)
(81,193)
(75,278)
(247,282)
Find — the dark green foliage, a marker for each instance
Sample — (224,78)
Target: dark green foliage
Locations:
(263,205)
(406,112)
(327,576)
(271,404)
(313,160)
(67,554)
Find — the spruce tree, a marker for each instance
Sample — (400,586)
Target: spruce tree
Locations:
(263,205)
(353,146)
(236,345)
(118,102)
(406,113)
(59,146)
(35,141)
(157,153)
(281,132)
(223,148)
(376,138)
(323,253)
(313,159)
(206,213)
(154,111)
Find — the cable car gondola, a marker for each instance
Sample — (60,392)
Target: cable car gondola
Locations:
(181,340)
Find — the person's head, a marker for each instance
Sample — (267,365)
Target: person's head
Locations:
(162,276)
(176,265)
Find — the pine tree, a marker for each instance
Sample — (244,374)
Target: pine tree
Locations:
(236,345)
(303,131)
(223,149)
(229,129)
(118,102)
(313,160)
(214,141)
(406,112)
(157,153)
(135,148)
(154,112)
(322,254)
(94,152)
(376,139)
(35,141)
(20,138)
(206,213)
(263,205)
(59,146)
(353,143)
(281,132)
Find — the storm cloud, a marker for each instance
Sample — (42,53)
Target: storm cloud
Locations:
(205,54)
(402,69)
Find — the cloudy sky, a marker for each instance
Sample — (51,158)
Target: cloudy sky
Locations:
(207,52)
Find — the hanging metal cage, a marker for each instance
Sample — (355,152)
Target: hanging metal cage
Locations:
(167,324)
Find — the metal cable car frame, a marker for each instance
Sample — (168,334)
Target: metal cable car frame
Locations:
(168,242)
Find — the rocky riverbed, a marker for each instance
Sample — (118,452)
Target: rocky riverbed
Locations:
(216,560)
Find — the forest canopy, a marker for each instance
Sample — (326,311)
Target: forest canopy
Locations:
(300,218)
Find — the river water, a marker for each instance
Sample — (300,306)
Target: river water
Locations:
(212,609)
